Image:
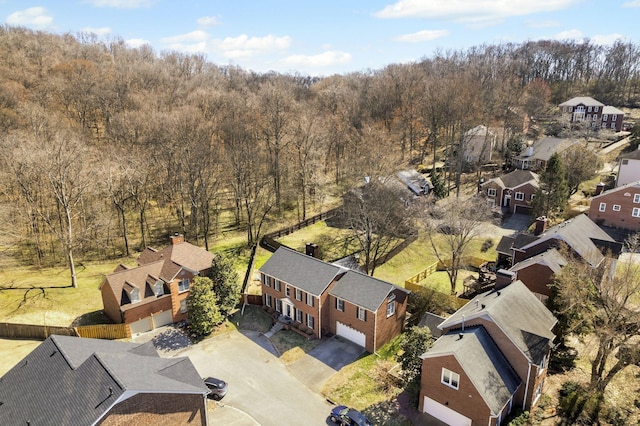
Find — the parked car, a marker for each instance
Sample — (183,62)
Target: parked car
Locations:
(217,387)
(344,415)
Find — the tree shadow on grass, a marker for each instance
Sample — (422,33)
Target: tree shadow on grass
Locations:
(92,318)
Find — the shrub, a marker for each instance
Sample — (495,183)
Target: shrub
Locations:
(488,243)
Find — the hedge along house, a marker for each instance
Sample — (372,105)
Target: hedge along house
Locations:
(330,299)
(154,293)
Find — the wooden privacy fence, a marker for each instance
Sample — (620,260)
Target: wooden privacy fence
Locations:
(32,331)
(412,282)
(104,331)
(253,299)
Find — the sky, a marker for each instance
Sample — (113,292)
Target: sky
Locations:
(322,38)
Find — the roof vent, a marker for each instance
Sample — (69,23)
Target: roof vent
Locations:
(483,306)
(460,336)
(497,293)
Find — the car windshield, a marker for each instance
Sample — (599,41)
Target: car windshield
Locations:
(344,411)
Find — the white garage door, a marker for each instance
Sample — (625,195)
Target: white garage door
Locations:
(141,326)
(445,414)
(351,334)
(162,318)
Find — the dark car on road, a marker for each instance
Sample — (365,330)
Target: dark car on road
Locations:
(217,387)
(344,415)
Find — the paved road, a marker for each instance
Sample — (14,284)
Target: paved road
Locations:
(261,389)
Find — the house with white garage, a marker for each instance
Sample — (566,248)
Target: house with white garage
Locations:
(491,358)
(155,292)
(327,299)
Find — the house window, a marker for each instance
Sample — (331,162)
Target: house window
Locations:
(279,305)
(183,285)
(491,192)
(361,314)
(589,109)
(613,125)
(266,280)
(616,207)
(603,207)
(532,196)
(277,285)
(299,315)
(288,291)
(596,109)
(614,117)
(158,288)
(589,116)
(450,378)
(595,117)
(298,294)
(134,295)
(391,308)
(183,306)
(625,162)
(570,109)
(267,300)
(310,321)
(519,196)
(605,117)
(636,198)
(635,212)
(543,365)
(309,299)
(340,304)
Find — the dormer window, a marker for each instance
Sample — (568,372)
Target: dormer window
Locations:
(158,288)
(134,295)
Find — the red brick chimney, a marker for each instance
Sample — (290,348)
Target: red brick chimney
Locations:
(541,225)
(599,188)
(176,239)
(504,278)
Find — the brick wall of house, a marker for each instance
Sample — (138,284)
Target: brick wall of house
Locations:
(537,278)
(527,190)
(349,317)
(110,304)
(389,327)
(143,310)
(177,297)
(158,410)
(465,400)
(497,201)
(616,219)
(519,255)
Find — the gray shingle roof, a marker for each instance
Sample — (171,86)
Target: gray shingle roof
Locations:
(482,362)
(300,270)
(552,258)
(365,291)
(544,148)
(507,242)
(625,187)
(73,381)
(579,233)
(518,313)
(582,100)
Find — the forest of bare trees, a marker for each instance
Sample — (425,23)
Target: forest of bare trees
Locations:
(105,148)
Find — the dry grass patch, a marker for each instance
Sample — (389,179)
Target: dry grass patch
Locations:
(291,346)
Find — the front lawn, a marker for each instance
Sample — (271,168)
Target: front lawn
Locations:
(291,346)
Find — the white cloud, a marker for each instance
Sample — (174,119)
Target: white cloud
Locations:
(542,24)
(634,3)
(244,46)
(606,39)
(470,11)
(208,21)
(100,32)
(136,42)
(426,35)
(192,37)
(324,59)
(120,4)
(32,17)
(568,35)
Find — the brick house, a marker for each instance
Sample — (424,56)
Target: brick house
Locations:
(329,299)
(492,357)
(513,191)
(77,381)
(536,273)
(618,207)
(593,113)
(155,292)
(629,168)
(536,156)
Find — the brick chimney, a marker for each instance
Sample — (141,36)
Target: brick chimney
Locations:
(312,250)
(504,278)
(599,188)
(541,225)
(176,239)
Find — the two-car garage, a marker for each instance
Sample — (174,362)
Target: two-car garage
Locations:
(444,413)
(151,322)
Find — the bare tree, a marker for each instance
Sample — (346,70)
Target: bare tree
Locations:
(450,227)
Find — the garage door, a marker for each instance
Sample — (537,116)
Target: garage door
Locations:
(522,210)
(444,413)
(141,326)
(162,318)
(351,334)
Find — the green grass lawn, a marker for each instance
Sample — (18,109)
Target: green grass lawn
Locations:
(334,243)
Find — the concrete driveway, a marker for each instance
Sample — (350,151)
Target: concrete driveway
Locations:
(261,389)
(323,361)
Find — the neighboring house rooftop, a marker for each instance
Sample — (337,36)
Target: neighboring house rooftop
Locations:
(544,148)
(516,178)
(431,321)
(584,100)
(625,187)
(581,234)
(633,155)
(551,258)
(509,242)
(517,312)
(416,182)
(300,270)
(482,362)
(612,110)
(363,290)
(180,255)
(143,278)
(72,380)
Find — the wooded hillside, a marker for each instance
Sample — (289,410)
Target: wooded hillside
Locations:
(100,140)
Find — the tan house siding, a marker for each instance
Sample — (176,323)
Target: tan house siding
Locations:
(158,410)
(110,304)
(465,400)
